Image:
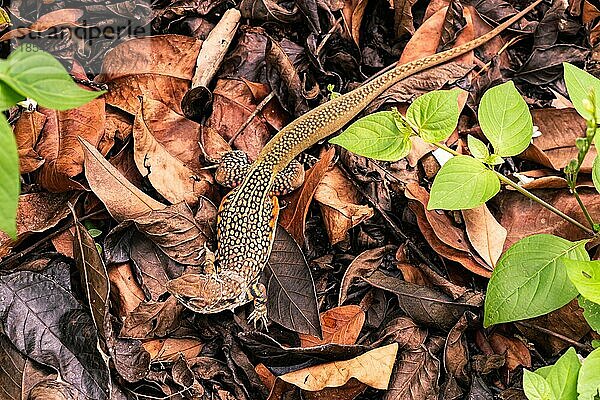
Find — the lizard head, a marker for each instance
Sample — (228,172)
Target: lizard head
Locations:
(208,294)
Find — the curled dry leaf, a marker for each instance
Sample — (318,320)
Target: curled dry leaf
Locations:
(127,295)
(405,332)
(339,200)
(37,212)
(59,143)
(27,131)
(372,368)
(293,217)
(447,230)
(94,278)
(340,325)
(353,13)
(130,71)
(169,349)
(233,104)
(167,174)
(12,368)
(175,231)
(485,233)
(456,354)
(555,147)
(517,354)
(121,198)
(152,319)
(364,264)
(54,19)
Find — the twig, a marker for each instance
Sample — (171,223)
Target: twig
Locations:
(259,108)
(557,335)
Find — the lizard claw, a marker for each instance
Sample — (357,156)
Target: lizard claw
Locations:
(259,314)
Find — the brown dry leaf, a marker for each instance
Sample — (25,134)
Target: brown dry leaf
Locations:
(418,149)
(175,231)
(405,332)
(124,288)
(456,354)
(159,67)
(27,131)
(293,217)
(555,147)
(340,325)
(339,200)
(567,321)
(233,103)
(364,264)
(213,146)
(152,319)
(37,212)
(372,368)
(352,14)
(177,134)
(118,124)
(416,373)
(59,143)
(54,19)
(522,217)
(63,243)
(466,259)
(485,233)
(167,174)
(169,349)
(125,165)
(403,18)
(515,351)
(121,198)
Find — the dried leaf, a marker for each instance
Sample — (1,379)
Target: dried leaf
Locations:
(485,233)
(125,288)
(54,19)
(12,366)
(167,174)
(293,217)
(152,319)
(27,130)
(170,349)
(122,199)
(340,325)
(339,204)
(515,351)
(373,368)
(353,13)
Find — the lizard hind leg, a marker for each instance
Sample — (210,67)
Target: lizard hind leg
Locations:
(232,168)
(258,293)
(288,179)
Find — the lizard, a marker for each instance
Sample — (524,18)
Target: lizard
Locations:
(247,216)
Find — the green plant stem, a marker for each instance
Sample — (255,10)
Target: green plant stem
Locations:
(583,208)
(526,193)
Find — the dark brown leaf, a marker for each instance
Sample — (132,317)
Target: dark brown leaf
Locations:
(340,325)
(152,319)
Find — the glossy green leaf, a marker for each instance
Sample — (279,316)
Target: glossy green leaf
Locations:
(536,387)
(462,183)
(36,74)
(585,275)
(579,84)
(477,148)
(596,172)
(9,179)
(435,114)
(376,136)
(505,120)
(588,383)
(493,159)
(591,313)
(562,376)
(530,279)
(8,97)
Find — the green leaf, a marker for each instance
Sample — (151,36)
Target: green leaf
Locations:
(376,136)
(462,183)
(562,377)
(38,75)
(530,279)
(435,114)
(596,171)
(477,148)
(10,183)
(94,232)
(536,387)
(585,275)
(579,83)
(505,120)
(8,97)
(588,383)
(591,312)
(493,159)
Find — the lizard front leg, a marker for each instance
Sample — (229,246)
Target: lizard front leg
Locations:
(258,294)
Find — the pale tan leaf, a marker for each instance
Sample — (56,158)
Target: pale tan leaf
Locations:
(485,233)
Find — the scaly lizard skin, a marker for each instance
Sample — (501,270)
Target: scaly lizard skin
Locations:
(247,216)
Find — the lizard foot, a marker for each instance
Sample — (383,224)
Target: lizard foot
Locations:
(259,314)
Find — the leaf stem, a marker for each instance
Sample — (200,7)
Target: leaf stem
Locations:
(526,193)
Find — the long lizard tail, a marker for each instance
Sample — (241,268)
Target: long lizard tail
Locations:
(329,117)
